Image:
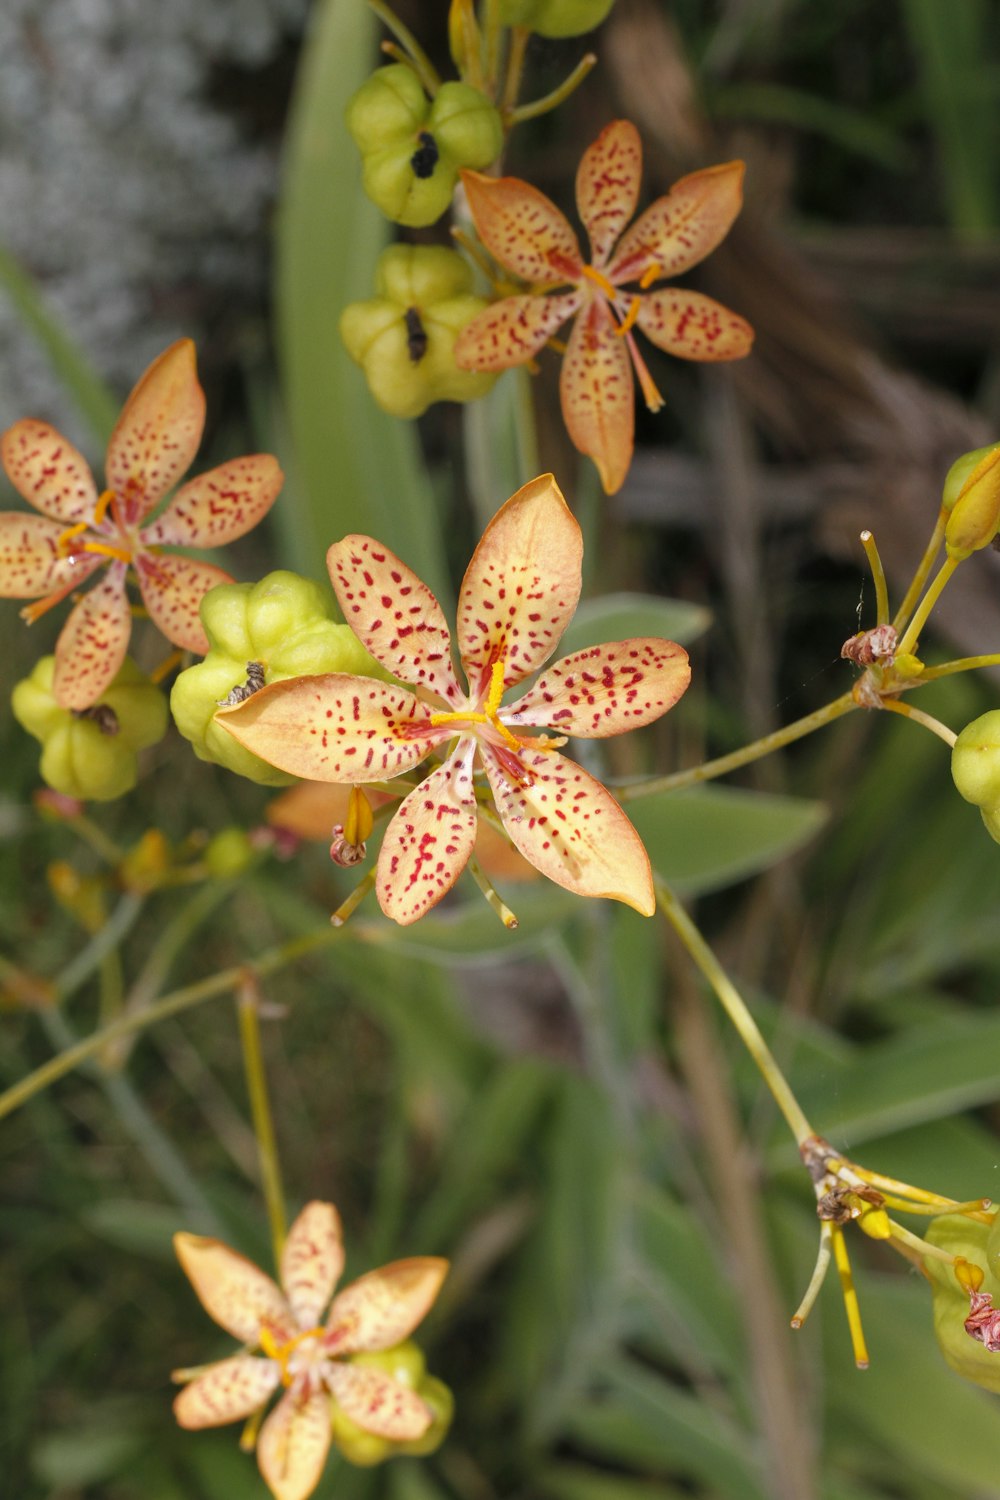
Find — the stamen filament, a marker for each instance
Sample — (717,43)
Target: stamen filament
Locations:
(493,897)
(651,395)
(818,1276)
(628,322)
(100,509)
(878,575)
(65,537)
(850,1296)
(609,290)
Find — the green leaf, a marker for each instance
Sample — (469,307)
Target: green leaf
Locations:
(617,617)
(708,837)
(93,1451)
(573,1482)
(140,1228)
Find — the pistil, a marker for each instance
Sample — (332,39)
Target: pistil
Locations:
(281,1353)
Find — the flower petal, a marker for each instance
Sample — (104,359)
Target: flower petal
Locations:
(606,689)
(428,843)
(680,229)
(523,229)
(172,590)
(378,1403)
(293,1444)
(48,472)
(312,1261)
(93,642)
(693,326)
(570,827)
(393,614)
(221,505)
(232,1290)
(227,1392)
(513,330)
(598,400)
(607,185)
(157,435)
(383,1307)
(522,586)
(334,727)
(31,563)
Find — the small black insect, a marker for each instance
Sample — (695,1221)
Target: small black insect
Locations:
(425,158)
(244,690)
(101,714)
(416,336)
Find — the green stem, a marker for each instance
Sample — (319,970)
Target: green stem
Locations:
(927,603)
(491,34)
(878,576)
(519,39)
(735,1007)
(429,76)
(103,943)
(919,717)
(521,112)
(94,835)
(723,764)
(248,1009)
(920,577)
(961,664)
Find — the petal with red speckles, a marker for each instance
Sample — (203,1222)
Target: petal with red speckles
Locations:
(393,614)
(158,433)
(606,689)
(523,229)
(31,562)
(383,1307)
(334,727)
(226,1392)
(513,330)
(232,1290)
(607,185)
(680,229)
(598,400)
(522,586)
(293,1444)
(172,590)
(693,326)
(428,843)
(312,1261)
(93,642)
(378,1403)
(569,826)
(219,506)
(48,472)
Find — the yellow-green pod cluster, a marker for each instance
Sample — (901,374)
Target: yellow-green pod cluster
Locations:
(555,18)
(976,1243)
(972,499)
(412,147)
(91,753)
(975,767)
(260,633)
(405,1363)
(404,337)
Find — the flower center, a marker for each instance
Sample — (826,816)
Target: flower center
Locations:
(105,549)
(490,711)
(282,1353)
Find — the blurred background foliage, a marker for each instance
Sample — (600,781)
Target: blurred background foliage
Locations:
(560,1111)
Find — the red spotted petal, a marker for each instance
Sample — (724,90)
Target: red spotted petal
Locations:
(158,433)
(693,326)
(172,589)
(378,1403)
(570,827)
(93,642)
(48,472)
(237,1294)
(428,843)
(227,1392)
(598,400)
(334,727)
(606,690)
(513,330)
(383,1308)
(607,185)
(393,614)
(31,563)
(523,229)
(312,1261)
(219,506)
(293,1444)
(522,586)
(680,229)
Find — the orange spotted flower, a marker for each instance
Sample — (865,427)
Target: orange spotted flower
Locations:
(80,531)
(525,232)
(519,594)
(310,1359)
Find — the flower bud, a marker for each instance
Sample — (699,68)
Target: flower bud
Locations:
(555,18)
(975,511)
(404,338)
(412,148)
(960,471)
(975,761)
(229,853)
(260,633)
(91,753)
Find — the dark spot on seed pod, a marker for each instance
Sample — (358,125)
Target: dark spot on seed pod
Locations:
(416,335)
(425,158)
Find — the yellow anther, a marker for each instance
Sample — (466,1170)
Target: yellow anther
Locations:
(496,688)
(269,1344)
(100,509)
(65,537)
(628,322)
(105,550)
(650,275)
(359,822)
(968,1274)
(283,1352)
(601,281)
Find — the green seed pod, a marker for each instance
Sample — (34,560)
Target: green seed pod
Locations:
(555,18)
(975,761)
(957,476)
(412,149)
(991,820)
(260,633)
(439,1398)
(228,853)
(961,1236)
(975,511)
(91,753)
(404,338)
